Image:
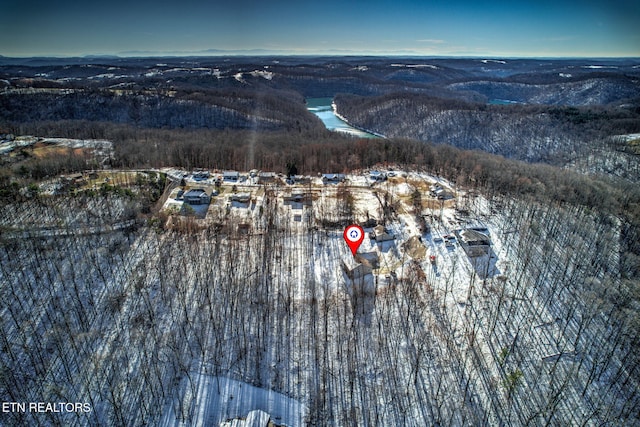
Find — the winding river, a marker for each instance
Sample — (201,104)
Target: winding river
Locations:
(323,108)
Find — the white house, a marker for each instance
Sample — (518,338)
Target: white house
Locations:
(231,176)
(474,242)
(441,193)
(266,177)
(200,175)
(333,177)
(377,176)
(197,196)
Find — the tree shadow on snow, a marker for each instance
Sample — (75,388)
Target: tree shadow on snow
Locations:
(485,266)
(362,293)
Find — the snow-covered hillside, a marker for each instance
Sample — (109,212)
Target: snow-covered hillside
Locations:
(259,305)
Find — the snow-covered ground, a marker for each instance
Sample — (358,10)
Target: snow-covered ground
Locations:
(220,399)
(10,145)
(100,147)
(254,307)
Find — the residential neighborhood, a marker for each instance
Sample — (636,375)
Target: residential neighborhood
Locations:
(303,200)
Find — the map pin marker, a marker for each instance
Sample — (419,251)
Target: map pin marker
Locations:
(353,235)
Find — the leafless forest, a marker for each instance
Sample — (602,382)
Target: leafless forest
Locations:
(124,316)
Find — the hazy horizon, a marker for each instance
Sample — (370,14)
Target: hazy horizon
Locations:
(542,29)
(209,53)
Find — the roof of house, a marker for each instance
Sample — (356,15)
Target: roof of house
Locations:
(468,235)
(333,176)
(239,197)
(196,192)
(379,230)
(381,233)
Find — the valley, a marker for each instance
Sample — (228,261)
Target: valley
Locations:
(325,110)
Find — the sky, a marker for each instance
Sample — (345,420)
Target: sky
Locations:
(543,28)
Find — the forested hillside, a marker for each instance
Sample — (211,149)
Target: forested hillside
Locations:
(144,321)
(557,135)
(214,109)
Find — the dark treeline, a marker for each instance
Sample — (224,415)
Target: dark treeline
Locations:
(192,109)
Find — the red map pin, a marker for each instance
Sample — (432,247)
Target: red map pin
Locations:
(353,235)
